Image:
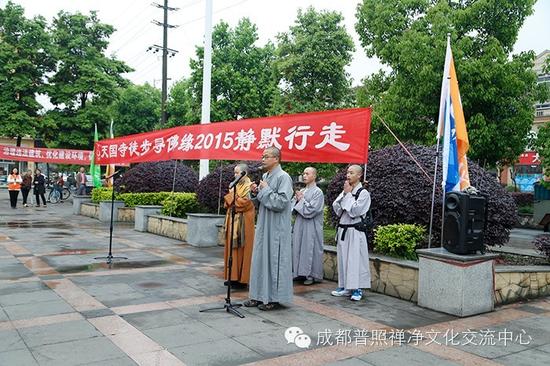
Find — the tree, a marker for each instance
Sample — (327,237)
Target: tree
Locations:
(86,81)
(180,106)
(498,91)
(24,60)
(542,145)
(136,110)
(311,61)
(243,84)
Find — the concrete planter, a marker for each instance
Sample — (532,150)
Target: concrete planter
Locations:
(203,229)
(177,228)
(90,210)
(141,216)
(514,284)
(390,276)
(171,227)
(126,214)
(460,285)
(105,210)
(399,278)
(78,201)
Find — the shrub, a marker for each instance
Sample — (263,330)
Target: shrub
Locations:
(208,191)
(148,198)
(542,244)
(102,194)
(178,204)
(399,240)
(158,177)
(401,193)
(523,198)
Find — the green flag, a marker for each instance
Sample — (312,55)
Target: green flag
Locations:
(95,170)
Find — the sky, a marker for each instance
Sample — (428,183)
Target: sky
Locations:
(135,31)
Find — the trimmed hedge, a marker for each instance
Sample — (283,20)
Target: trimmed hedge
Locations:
(178,204)
(174,204)
(401,193)
(102,194)
(399,240)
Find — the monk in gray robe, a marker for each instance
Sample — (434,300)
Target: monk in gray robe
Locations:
(307,236)
(271,273)
(352,250)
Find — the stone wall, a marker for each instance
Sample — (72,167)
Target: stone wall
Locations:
(527,221)
(390,276)
(126,214)
(175,228)
(399,278)
(90,210)
(512,285)
(171,227)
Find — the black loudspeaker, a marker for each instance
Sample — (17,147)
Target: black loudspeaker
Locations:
(465,220)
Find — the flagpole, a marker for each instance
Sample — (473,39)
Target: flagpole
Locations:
(444,82)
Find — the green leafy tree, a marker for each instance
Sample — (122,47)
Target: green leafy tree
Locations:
(311,61)
(181,106)
(498,90)
(310,67)
(86,81)
(136,110)
(542,145)
(24,60)
(243,84)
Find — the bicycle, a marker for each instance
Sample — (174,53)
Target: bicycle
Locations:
(55,196)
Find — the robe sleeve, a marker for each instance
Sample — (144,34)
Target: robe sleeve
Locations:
(312,207)
(276,200)
(356,208)
(337,204)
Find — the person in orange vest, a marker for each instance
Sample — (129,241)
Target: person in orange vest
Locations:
(14,186)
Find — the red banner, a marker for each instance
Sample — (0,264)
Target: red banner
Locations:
(529,158)
(39,155)
(325,137)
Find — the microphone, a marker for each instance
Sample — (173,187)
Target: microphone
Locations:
(236,180)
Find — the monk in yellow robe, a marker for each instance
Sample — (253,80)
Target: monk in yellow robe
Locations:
(243,230)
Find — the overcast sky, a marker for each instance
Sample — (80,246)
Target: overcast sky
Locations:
(135,31)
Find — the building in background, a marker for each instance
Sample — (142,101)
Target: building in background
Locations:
(528,170)
(6,166)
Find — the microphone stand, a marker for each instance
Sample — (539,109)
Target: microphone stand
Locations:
(109,258)
(228,306)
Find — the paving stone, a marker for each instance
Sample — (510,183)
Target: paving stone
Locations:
(530,357)
(234,326)
(88,314)
(15,288)
(78,352)
(20,357)
(191,332)
(28,298)
(124,361)
(29,311)
(58,333)
(224,352)
(156,319)
(10,340)
(349,362)
(396,355)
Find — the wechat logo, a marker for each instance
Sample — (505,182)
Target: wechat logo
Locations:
(296,335)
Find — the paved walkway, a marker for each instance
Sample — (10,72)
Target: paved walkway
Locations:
(59,306)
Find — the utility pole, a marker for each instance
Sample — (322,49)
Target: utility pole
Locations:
(165,53)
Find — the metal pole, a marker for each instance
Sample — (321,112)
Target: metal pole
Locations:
(206,78)
(164,63)
(433,192)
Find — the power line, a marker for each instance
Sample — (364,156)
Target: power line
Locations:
(165,53)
